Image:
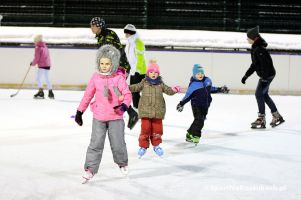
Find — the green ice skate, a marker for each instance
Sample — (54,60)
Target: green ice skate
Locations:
(192,139)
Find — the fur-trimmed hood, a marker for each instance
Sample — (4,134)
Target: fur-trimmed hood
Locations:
(110,52)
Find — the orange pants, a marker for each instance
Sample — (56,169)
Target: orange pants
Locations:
(151,130)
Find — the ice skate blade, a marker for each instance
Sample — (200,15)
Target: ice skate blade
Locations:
(39,97)
(255,127)
(85,181)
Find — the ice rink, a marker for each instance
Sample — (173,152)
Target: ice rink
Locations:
(42,152)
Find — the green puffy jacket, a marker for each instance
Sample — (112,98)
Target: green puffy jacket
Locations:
(151,103)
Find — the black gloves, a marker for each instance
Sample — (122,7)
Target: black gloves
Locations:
(243,80)
(223,89)
(120,109)
(78,118)
(180,107)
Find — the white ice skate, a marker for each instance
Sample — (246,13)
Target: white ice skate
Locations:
(87,176)
(124,170)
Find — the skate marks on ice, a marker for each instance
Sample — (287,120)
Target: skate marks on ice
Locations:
(221,148)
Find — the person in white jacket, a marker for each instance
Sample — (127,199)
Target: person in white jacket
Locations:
(134,50)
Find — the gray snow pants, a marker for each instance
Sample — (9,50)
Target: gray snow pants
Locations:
(115,130)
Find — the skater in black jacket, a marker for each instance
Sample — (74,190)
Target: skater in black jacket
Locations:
(263,65)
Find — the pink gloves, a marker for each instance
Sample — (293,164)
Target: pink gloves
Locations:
(176,89)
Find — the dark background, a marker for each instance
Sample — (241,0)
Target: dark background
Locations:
(273,16)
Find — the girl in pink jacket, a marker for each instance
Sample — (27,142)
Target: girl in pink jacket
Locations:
(111,99)
(42,59)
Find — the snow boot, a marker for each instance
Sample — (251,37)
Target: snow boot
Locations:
(141,152)
(50,94)
(133,117)
(277,119)
(39,95)
(158,150)
(259,122)
(192,139)
(124,170)
(88,175)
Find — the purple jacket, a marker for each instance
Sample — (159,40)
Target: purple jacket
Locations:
(41,55)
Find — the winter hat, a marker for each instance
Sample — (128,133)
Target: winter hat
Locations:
(253,33)
(197,68)
(153,67)
(130,29)
(98,22)
(110,52)
(38,38)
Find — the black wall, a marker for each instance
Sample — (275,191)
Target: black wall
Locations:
(273,16)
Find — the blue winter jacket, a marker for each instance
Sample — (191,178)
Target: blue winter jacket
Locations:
(198,92)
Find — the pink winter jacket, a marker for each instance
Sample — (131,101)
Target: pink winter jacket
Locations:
(41,55)
(102,106)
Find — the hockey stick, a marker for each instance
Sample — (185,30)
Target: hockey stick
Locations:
(21,83)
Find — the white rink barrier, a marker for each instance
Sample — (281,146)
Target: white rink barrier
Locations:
(73,67)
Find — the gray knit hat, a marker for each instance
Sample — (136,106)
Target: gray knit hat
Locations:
(253,33)
(110,52)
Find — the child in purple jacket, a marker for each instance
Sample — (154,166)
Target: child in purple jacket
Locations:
(42,60)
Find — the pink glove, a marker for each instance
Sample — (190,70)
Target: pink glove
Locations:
(176,89)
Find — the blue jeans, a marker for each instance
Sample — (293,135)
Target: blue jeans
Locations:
(262,95)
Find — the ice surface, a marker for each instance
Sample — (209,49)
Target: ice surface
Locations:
(42,152)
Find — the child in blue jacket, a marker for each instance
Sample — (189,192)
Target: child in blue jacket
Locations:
(199,93)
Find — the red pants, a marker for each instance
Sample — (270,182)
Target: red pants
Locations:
(151,130)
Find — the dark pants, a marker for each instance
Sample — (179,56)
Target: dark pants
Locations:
(262,95)
(136,95)
(197,125)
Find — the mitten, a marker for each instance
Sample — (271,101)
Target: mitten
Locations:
(176,89)
(223,89)
(243,80)
(120,109)
(180,107)
(78,118)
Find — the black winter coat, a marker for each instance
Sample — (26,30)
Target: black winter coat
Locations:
(261,60)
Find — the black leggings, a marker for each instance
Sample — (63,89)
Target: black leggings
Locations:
(262,95)
(136,95)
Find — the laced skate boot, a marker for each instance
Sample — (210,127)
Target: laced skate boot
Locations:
(192,139)
(259,122)
(124,170)
(50,94)
(87,176)
(39,95)
(277,119)
(141,152)
(158,150)
(133,117)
